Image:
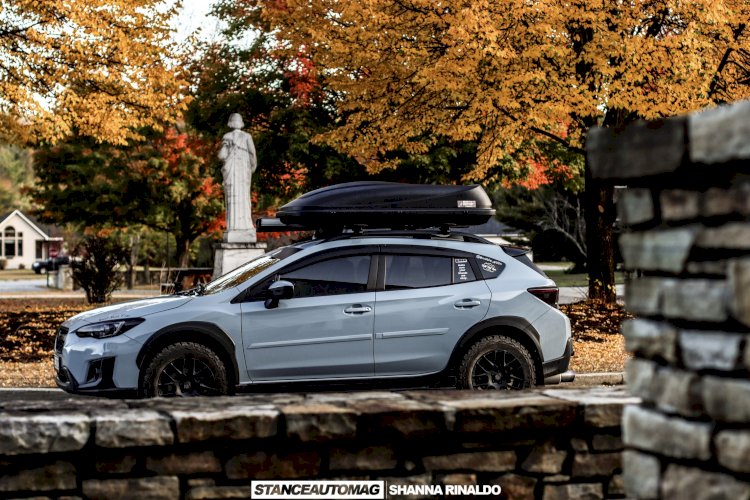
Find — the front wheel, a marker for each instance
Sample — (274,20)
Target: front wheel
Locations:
(185,369)
(496,363)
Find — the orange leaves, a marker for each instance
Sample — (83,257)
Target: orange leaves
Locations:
(499,72)
(94,67)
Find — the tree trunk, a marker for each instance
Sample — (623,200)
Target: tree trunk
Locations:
(600,218)
(183,252)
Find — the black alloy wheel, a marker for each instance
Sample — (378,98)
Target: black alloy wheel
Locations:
(185,369)
(497,363)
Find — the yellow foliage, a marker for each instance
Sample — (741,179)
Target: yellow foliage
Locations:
(500,72)
(96,67)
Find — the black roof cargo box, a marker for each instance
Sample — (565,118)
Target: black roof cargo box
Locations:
(384,205)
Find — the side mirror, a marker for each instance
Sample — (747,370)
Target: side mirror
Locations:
(277,291)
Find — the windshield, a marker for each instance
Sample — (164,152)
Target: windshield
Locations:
(247,271)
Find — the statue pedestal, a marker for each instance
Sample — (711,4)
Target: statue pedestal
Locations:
(228,256)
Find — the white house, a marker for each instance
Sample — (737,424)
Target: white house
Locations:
(22,241)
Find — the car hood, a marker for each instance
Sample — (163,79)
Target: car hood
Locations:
(133,309)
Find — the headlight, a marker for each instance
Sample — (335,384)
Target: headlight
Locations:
(108,329)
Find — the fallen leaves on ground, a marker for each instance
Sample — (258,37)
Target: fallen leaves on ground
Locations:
(599,346)
(36,374)
(28,326)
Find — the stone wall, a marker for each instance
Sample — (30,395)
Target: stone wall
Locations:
(544,443)
(686,212)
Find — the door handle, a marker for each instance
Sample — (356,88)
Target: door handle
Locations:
(467,303)
(358,309)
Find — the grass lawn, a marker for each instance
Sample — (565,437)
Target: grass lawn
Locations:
(18,274)
(563,278)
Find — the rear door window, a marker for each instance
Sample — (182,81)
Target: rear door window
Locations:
(404,272)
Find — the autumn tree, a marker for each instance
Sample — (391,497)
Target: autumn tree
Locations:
(165,183)
(99,68)
(280,98)
(408,74)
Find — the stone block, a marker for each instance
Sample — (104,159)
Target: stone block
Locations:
(503,413)
(644,295)
(596,464)
(674,437)
(710,350)
(676,391)
(606,442)
(218,492)
(233,422)
(717,202)
(545,458)
(636,206)
(738,274)
(147,488)
(730,236)
(719,135)
(639,376)
(727,400)
(516,486)
(119,464)
(641,474)
(132,428)
(485,461)
(190,463)
(460,479)
(579,444)
(401,416)
(680,481)
(679,205)
(370,458)
(616,486)
(319,422)
(603,415)
(658,250)
(261,465)
(714,267)
(640,150)
(579,491)
(54,476)
(733,449)
(696,300)
(650,339)
(43,433)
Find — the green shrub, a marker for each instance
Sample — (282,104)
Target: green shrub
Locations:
(96,267)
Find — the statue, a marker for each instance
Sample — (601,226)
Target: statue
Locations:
(238,154)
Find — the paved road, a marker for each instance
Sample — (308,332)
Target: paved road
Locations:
(582,380)
(33,285)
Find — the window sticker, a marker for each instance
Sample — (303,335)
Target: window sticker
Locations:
(491,268)
(462,271)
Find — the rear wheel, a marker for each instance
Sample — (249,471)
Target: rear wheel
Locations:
(185,369)
(497,363)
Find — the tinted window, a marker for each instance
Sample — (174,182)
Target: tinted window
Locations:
(417,271)
(490,268)
(331,277)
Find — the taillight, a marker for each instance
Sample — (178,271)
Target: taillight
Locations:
(547,294)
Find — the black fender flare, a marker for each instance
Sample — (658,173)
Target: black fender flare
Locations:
(197,331)
(528,336)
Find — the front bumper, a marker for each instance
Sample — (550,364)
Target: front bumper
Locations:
(96,366)
(99,379)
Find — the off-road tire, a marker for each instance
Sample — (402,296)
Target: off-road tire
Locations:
(478,371)
(209,374)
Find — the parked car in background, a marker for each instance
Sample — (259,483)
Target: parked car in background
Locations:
(51,264)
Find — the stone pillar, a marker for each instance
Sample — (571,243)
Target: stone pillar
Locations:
(686,220)
(228,256)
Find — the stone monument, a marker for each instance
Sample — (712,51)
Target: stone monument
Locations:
(240,243)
